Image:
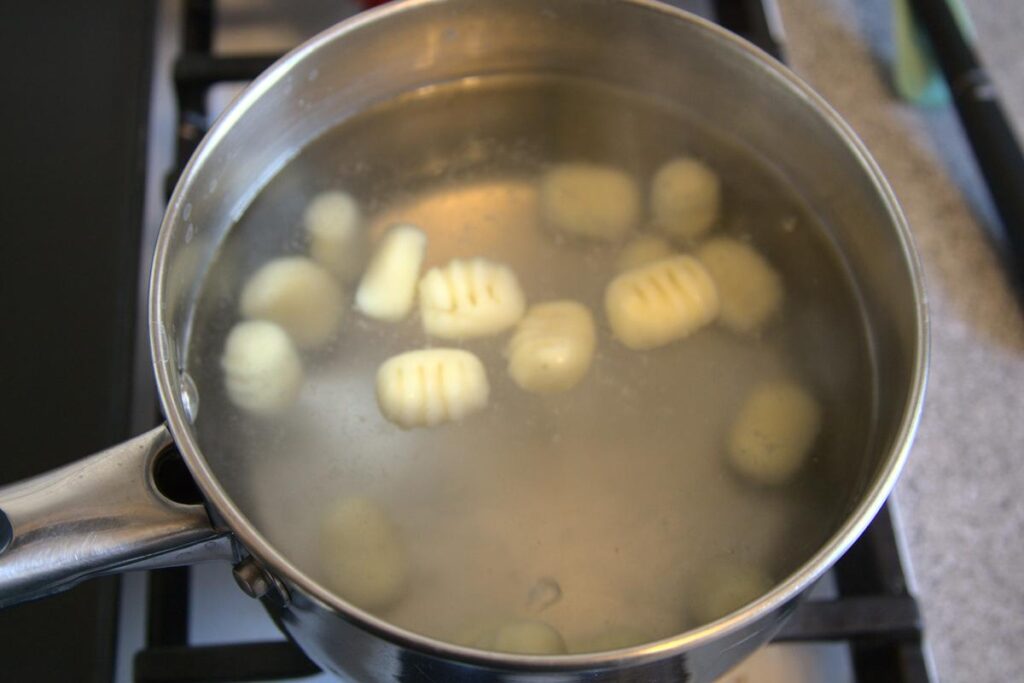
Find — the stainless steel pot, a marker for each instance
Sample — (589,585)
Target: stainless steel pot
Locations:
(105,513)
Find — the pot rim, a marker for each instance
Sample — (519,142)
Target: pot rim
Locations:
(245,532)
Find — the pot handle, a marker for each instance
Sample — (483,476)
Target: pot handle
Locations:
(98,516)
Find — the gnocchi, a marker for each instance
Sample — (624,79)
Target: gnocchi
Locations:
(552,347)
(773,432)
(362,553)
(685,198)
(262,370)
(590,200)
(298,295)
(427,387)
(333,221)
(725,588)
(473,298)
(749,288)
(529,637)
(388,288)
(641,251)
(661,302)
(478,633)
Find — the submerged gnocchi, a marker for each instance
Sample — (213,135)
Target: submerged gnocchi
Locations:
(262,370)
(725,587)
(333,222)
(362,554)
(749,288)
(298,295)
(661,302)
(427,387)
(473,298)
(529,637)
(685,198)
(589,200)
(552,347)
(773,432)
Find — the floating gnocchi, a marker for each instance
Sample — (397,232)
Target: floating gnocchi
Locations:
(590,200)
(528,637)
(774,432)
(725,587)
(661,302)
(333,223)
(473,298)
(362,553)
(262,370)
(427,387)
(685,198)
(388,288)
(641,251)
(552,347)
(298,295)
(749,288)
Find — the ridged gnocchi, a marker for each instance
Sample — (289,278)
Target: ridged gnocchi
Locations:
(685,198)
(590,200)
(473,298)
(262,370)
(298,295)
(427,387)
(333,222)
(552,347)
(661,302)
(388,288)
(641,251)
(749,289)
(774,432)
(362,554)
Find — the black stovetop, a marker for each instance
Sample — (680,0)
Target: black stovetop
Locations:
(76,80)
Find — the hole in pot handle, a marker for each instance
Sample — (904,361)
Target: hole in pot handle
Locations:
(97,516)
(173,480)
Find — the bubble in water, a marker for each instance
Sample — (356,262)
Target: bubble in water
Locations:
(545,593)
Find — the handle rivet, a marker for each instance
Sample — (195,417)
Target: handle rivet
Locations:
(252,578)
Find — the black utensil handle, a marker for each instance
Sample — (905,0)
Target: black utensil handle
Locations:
(995,146)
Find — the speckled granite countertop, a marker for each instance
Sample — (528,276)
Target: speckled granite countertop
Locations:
(960,499)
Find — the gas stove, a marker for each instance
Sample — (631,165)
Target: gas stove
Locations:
(861,623)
